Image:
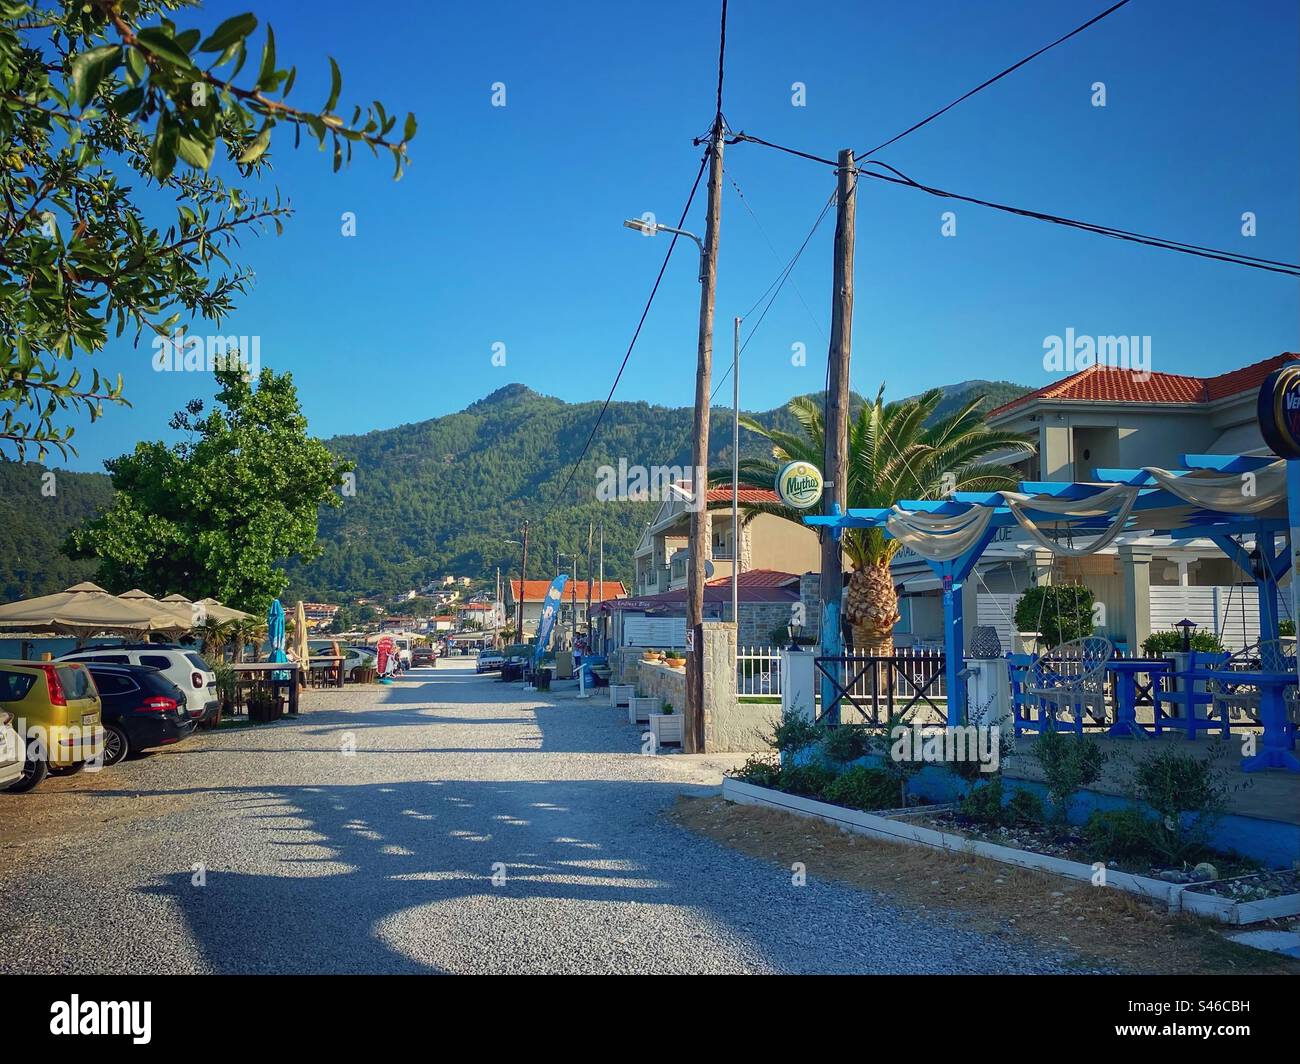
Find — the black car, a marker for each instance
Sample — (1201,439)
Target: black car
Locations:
(140,709)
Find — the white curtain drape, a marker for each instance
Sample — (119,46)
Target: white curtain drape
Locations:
(1119,498)
(1238,493)
(938,537)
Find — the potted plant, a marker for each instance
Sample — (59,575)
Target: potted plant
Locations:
(666,725)
(675,660)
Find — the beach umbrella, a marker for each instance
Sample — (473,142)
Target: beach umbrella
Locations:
(275,636)
(300,635)
(222,614)
(82,610)
(179,612)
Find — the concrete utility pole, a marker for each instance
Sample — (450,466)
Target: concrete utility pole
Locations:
(836,423)
(523,585)
(699,543)
(735,480)
(591,531)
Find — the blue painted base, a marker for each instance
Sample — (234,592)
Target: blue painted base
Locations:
(1273,843)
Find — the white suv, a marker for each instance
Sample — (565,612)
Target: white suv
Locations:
(183,666)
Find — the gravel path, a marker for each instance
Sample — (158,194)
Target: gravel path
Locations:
(314,859)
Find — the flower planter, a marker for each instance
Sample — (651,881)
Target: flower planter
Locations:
(675,663)
(667,728)
(621,694)
(639,709)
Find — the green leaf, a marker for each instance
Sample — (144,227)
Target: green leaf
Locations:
(234,29)
(89,69)
(194,151)
(157,41)
(336,86)
(162,154)
(408,130)
(266,76)
(258,148)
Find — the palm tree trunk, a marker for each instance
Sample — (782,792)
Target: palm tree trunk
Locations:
(872,609)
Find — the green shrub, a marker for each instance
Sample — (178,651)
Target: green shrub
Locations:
(760,771)
(1286,627)
(1158,643)
(846,743)
(863,788)
(1121,834)
(1069,763)
(809,780)
(1188,794)
(984,804)
(792,733)
(1025,807)
(1058,612)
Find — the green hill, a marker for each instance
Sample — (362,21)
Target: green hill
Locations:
(440,496)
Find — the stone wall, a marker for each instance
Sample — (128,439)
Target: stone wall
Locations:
(664,683)
(730,725)
(758,619)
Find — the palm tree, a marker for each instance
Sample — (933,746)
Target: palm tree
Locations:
(213,636)
(894,453)
(244,631)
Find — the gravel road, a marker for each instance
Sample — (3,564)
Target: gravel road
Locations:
(279,849)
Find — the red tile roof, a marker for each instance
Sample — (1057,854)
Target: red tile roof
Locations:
(1114,385)
(535,590)
(745,495)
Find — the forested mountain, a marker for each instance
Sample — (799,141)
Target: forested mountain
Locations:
(36,511)
(441,496)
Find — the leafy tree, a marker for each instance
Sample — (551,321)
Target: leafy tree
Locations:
(99,101)
(1057,612)
(219,513)
(895,451)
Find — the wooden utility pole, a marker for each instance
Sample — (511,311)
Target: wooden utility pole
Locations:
(523,585)
(836,423)
(591,531)
(699,542)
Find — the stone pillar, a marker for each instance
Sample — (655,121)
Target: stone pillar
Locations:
(1136,561)
(718,665)
(1040,566)
(798,683)
(810,598)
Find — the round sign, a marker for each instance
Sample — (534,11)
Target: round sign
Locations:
(799,484)
(1278,411)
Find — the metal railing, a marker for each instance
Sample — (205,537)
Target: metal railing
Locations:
(758,671)
(875,689)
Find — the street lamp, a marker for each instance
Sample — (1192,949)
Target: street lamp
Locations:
(650,228)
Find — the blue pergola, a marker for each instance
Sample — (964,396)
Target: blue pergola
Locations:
(1155,510)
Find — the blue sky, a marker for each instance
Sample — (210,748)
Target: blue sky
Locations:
(507,226)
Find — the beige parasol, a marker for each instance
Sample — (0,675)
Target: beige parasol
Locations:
(83,610)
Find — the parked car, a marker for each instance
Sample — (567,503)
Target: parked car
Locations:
(183,666)
(423,656)
(490,661)
(55,707)
(11,751)
(140,709)
(354,658)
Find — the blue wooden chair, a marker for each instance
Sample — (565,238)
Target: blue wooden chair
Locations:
(1071,678)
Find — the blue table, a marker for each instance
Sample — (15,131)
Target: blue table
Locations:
(1278,741)
(1126,672)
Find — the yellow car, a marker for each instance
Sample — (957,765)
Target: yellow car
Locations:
(55,707)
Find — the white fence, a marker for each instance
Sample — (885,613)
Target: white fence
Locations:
(661,632)
(998,610)
(758,671)
(1230,611)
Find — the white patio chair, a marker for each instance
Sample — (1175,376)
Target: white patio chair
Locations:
(1071,677)
(1240,701)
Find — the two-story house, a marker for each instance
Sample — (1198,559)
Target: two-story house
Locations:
(1106,417)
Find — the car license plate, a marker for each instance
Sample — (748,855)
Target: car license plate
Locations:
(89,720)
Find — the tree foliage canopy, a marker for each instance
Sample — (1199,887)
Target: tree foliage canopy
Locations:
(219,513)
(99,99)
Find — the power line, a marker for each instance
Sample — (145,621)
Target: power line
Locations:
(1236,258)
(744,200)
(628,354)
(996,77)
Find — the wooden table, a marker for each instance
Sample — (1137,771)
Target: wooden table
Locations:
(262,672)
(1125,671)
(330,664)
(1278,741)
